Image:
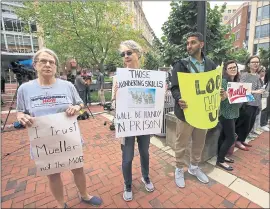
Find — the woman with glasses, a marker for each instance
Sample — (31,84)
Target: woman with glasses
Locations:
(30,104)
(249,110)
(131,52)
(228,114)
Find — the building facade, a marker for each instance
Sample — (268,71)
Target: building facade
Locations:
(229,12)
(250,24)
(238,23)
(139,20)
(17,43)
(259,28)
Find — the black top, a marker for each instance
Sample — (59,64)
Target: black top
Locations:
(182,66)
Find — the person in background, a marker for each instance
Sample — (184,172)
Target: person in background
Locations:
(45,62)
(131,52)
(197,62)
(62,76)
(257,125)
(100,86)
(3,83)
(266,111)
(81,86)
(228,114)
(249,110)
(88,81)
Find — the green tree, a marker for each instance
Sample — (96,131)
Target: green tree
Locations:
(240,55)
(265,56)
(89,31)
(153,58)
(183,20)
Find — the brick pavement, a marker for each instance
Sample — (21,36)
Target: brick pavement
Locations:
(253,166)
(22,188)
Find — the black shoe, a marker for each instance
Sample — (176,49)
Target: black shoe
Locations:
(228,160)
(230,168)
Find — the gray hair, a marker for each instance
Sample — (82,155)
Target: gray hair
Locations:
(133,46)
(49,51)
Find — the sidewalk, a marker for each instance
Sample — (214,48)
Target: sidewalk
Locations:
(22,188)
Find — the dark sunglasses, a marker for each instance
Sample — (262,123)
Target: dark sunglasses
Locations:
(128,53)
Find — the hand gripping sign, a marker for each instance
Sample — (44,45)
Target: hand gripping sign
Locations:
(56,143)
(201,91)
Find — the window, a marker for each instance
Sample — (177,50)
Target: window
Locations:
(35,41)
(257,31)
(259,14)
(263,45)
(247,35)
(229,11)
(237,35)
(234,10)
(26,40)
(225,17)
(10,40)
(265,12)
(262,31)
(3,45)
(257,47)
(239,19)
(235,22)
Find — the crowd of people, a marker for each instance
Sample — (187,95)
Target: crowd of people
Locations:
(237,120)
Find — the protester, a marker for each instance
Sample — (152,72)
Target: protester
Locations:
(197,62)
(249,110)
(257,125)
(266,111)
(81,86)
(45,62)
(228,114)
(62,76)
(3,83)
(131,52)
(100,86)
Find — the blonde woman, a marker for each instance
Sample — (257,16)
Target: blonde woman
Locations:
(131,52)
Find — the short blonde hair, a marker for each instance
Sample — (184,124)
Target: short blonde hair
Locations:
(49,51)
(133,46)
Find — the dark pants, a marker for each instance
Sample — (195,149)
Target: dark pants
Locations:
(265,113)
(3,83)
(82,95)
(246,121)
(226,138)
(128,154)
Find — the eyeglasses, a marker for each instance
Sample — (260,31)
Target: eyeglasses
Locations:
(44,62)
(232,68)
(128,53)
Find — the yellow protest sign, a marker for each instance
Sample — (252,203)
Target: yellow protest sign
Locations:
(201,91)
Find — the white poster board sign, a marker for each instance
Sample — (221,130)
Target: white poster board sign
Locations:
(55,142)
(139,102)
(239,92)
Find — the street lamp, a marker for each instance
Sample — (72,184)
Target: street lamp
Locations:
(201,21)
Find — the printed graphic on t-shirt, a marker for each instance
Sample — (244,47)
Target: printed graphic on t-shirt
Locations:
(48,100)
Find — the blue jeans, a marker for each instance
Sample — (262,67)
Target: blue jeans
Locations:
(128,154)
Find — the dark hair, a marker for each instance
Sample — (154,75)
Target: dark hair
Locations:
(247,69)
(196,34)
(225,74)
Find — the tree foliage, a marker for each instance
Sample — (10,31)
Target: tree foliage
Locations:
(240,55)
(265,56)
(183,20)
(89,31)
